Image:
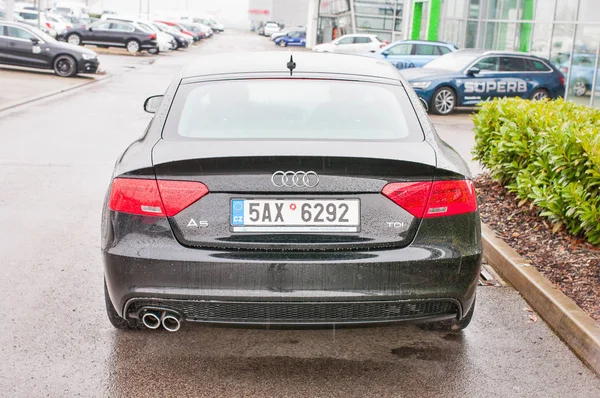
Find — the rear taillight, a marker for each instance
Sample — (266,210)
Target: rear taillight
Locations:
(49,25)
(562,80)
(154,198)
(433,199)
(68,27)
(153,36)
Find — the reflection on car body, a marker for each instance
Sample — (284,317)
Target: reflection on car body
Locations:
(406,54)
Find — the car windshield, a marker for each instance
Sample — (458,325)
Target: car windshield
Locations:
(292,110)
(455,61)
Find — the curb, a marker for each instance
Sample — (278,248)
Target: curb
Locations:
(571,323)
(49,94)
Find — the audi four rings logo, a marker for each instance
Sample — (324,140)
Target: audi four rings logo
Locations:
(300,179)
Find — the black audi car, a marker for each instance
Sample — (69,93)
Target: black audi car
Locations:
(113,34)
(280,192)
(27,46)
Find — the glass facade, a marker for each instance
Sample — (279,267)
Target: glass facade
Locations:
(565,31)
(383,18)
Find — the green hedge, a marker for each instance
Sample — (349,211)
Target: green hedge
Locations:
(548,153)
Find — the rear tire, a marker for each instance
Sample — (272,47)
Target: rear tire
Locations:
(114,317)
(540,94)
(74,39)
(283,43)
(133,46)
(443,102)
(580,87)
(452,325)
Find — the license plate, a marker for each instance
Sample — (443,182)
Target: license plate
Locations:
(295,215)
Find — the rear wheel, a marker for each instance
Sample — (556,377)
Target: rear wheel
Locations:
(65,66)
(133,46)
(540,94)
(153,51)
(282,43)
(444,101)
(74,39)
(114,317)
(453,325)
(580,88)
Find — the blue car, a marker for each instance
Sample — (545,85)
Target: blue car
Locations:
(467,77)
(297,38)
(406,54)
(582,72)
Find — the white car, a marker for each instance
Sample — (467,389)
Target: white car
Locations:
(351,44)
(271,28)
(31,18)
(61,25)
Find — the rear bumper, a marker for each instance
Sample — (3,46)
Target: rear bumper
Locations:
(415,283)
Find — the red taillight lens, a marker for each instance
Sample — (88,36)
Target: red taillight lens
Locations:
(433,199)
(153,36)
(177,195)
(562,80)
(411,196)
(49,25)
(68,27)
(154,198)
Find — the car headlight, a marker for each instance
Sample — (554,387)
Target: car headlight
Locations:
(88,57)
(422,85)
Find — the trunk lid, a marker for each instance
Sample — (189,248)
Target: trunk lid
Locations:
(349,174)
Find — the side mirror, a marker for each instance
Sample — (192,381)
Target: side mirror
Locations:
(473,71)
(336,43)
(152,103)
(385,53)
(90,29)
(35,41)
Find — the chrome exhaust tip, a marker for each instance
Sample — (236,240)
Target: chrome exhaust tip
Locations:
(151,320)
(171,322)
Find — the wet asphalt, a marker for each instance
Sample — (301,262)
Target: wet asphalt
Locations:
(56,158)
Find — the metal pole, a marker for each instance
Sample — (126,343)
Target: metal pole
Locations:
(10,7)
(572,52)
(36,4)
(352,16)
(552,31)
(595,79)
(532,28)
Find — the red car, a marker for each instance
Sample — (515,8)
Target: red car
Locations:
(181,29)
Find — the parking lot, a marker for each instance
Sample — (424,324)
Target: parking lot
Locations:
(56,162)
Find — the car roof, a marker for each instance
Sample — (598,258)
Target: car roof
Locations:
(431,42)
(359,35)
(276,62)
(480,52)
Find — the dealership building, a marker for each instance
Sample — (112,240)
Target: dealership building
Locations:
(565,31)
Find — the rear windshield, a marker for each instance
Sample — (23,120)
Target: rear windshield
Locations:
(292,109)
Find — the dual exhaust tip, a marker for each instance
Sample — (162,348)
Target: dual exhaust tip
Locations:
(154,319)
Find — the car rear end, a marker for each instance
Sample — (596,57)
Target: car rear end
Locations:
(261,207)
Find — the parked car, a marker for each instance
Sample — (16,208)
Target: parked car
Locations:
(113,34)
(351,44)
(270,28)
(15,17)
(292,39)
(406,54)
(467,77)
(284,32)
(24,45)
(165,42)
(193,29)
(183,40)
(76,22)
(181,29)
(582,72)
(30,17)
(217,27)
(201,223)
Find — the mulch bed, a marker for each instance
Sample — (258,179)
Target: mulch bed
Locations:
(569,262)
